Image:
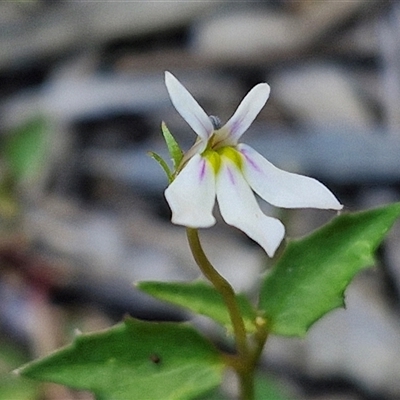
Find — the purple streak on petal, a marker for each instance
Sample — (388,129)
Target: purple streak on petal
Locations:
(231,176)
(202,169)
(250,161)
(247,111)
(235,126)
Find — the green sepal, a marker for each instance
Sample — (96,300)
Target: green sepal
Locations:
(174,149)
(201,298)
(312,274)
(135,360)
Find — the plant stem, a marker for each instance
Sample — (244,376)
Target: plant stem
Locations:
(245,367)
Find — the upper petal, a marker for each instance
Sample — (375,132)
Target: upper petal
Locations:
(245,114)
(188,107)
(240,209)
(284,189)
(191,196)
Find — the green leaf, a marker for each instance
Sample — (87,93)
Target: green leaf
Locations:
(200,298)
(265,388)
(215,394)
(14,388)
(135,360)
(310,278)
(174,150)
(25,147)
(11,386)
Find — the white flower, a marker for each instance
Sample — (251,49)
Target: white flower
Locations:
(218,167)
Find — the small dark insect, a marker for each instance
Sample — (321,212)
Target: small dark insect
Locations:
(216,122)
(155,359)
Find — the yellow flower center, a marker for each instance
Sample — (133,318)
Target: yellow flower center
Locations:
(214,157)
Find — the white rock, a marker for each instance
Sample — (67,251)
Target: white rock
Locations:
(320,95)
(241,35)
(59,28)
(260,34)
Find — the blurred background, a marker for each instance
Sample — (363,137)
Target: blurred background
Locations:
(82,211)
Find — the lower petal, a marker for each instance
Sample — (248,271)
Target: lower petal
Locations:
(284,189)
(191,196)
(239,208)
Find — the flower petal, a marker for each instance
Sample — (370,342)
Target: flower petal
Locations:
(191,196)
(245,114)
(239,208)
(188,107)
(284,189)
